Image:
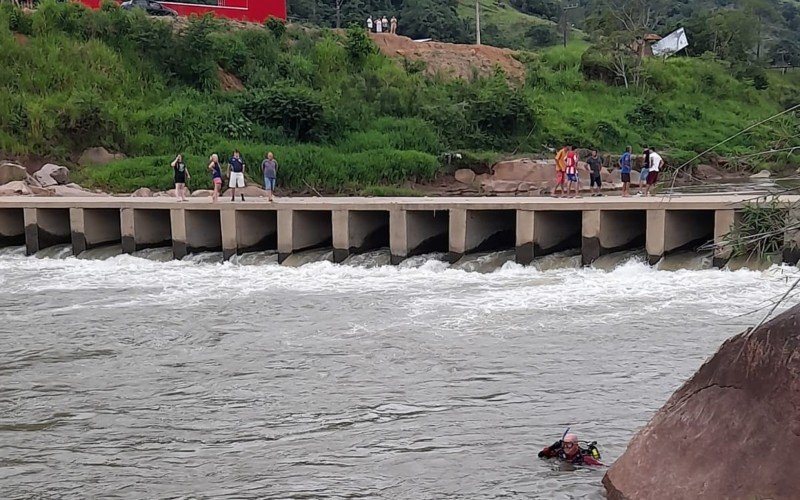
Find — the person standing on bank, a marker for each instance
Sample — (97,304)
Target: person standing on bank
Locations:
(236,174)
(369,23)
(595,180)
(393,25)
(269,168)
(625,171)
(181,174)
(216,176)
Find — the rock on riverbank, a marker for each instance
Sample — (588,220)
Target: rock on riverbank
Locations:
(731,431)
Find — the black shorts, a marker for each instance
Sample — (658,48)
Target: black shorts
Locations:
(180,178)
(626,177)
(595,180)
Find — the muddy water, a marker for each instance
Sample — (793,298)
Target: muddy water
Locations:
(126,377)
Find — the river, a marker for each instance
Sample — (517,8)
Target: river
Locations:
(126,377)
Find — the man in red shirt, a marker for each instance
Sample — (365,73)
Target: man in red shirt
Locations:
(570,451)
(572,172)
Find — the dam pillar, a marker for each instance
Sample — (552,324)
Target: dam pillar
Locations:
(724,223)
(45,227)
(480,231)
(302,230)
(607,231)
(93,227)
(12,227)
(228,232)
(544,232)
(358,231)
(178,229)
(415,232)
(144,228)
(669,230)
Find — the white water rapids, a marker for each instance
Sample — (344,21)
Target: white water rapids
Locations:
(128,377)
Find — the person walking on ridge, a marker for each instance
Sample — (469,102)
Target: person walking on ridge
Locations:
(269,169)
(571,162)
(236,168)
(644,172)
(216,176)
(625,171)
(561,168)
(595,163)
(181,175)
(652,177)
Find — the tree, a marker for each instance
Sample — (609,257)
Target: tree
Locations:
(621,26)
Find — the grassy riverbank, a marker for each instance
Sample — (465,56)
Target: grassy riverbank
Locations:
(339,115)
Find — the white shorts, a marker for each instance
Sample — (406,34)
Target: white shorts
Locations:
(237,180)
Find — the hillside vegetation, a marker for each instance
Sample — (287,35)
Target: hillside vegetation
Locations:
(340,116)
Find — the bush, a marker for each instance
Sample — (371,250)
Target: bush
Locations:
(297,110)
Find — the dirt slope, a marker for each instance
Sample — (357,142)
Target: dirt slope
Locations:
(451,59)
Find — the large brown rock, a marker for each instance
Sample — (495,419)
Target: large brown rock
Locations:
(248,191)
(731,431)
(465,176)
(98,156)
(142,192)
(525,169)
(52,175)
(10,172)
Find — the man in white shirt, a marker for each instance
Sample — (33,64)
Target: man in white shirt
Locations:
(369,23)
(652,176)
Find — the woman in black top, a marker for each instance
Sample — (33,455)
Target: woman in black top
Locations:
(181,175)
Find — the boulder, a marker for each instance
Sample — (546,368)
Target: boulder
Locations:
(98,156)
(142,192)
(764,174)
(500,186)
(524,169)
(15,188)
(10,172)
(201,193)
(73,190)
(731,431)
(707,172)
(465,176)
(52,175)
(248,191)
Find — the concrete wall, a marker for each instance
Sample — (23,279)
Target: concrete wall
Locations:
(12,226)
(724,222)
(414,232)
(303,229)
(45,227)
(248,231)
(480,231)
(93,227)
(670,230)
(145,228)
(606,231)
(195,231)
(544,232)
(358,231)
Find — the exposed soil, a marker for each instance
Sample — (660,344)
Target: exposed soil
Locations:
(454,60)
(229,82)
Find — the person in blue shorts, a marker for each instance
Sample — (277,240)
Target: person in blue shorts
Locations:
(625,171)
(269,168)
(644,172)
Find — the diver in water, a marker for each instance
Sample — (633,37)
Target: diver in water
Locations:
(568,450)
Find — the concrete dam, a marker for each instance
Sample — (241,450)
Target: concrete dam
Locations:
(407,226)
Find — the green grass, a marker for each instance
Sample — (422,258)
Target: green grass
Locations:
(339,116)
(502,24)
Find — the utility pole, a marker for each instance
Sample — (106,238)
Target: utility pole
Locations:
(565,7)
(477,22)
